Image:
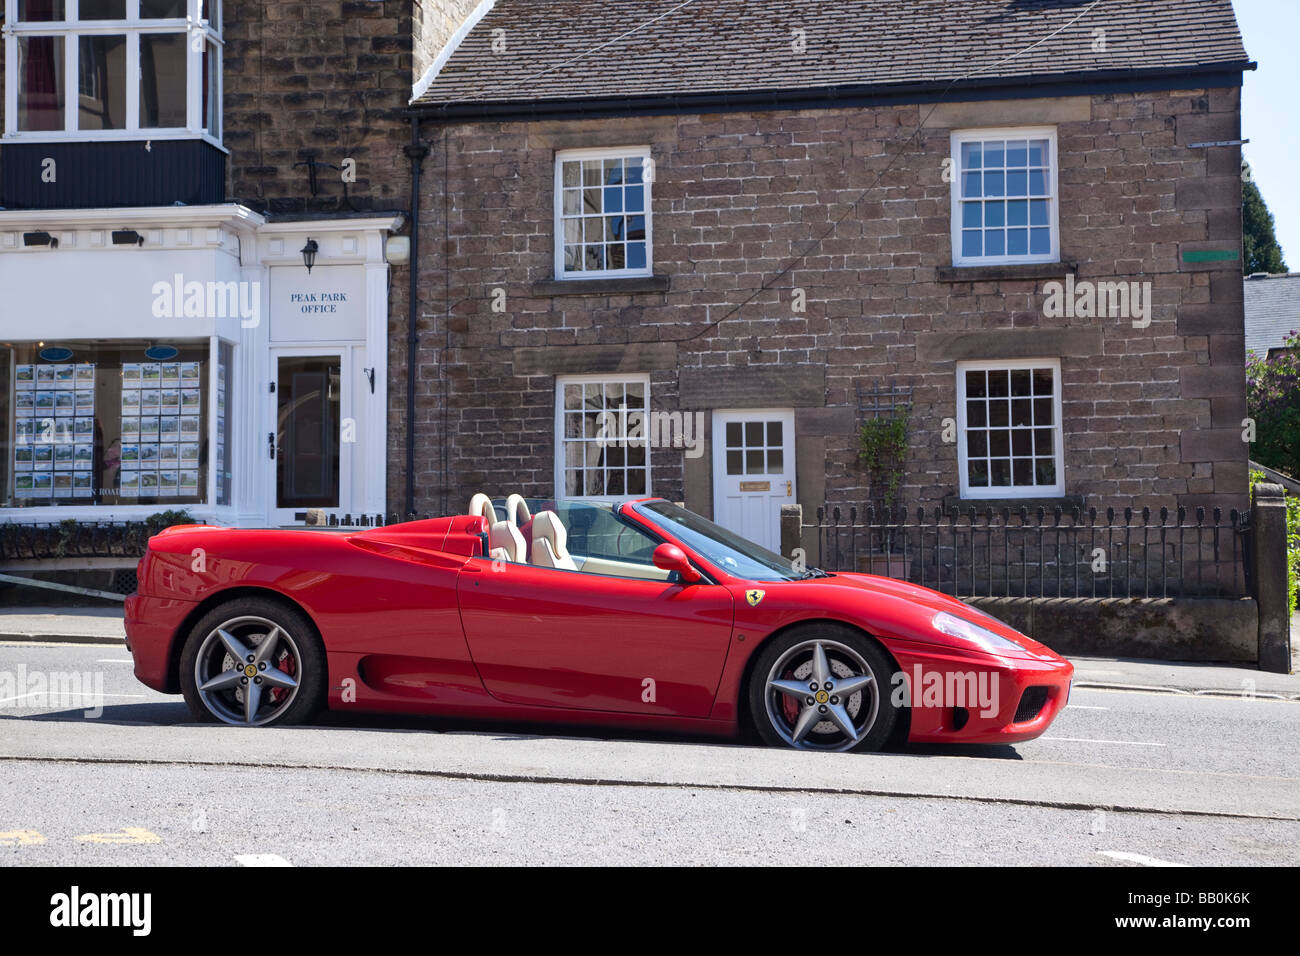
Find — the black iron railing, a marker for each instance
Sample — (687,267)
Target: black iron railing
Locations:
(365,521)
(1132,553)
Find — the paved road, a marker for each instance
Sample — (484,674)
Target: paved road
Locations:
(1123,777)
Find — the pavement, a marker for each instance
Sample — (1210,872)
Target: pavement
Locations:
(48,625)
(59,625)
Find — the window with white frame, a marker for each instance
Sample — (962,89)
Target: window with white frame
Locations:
(602,213)
(601,448)
(1004,197)
(1009,429)
(112,69)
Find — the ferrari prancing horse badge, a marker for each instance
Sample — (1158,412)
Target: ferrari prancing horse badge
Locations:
(754,596)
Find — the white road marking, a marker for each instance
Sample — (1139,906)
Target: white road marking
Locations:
(74,693)
(55,644)
(262,859)
(1137,858)
(1088,740)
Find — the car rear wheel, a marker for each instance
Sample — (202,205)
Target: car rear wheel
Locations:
(823,687)
(253,662)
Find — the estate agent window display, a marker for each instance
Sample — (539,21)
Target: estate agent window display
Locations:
(105,424)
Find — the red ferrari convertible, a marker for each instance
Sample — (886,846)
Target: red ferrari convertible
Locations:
(636,615)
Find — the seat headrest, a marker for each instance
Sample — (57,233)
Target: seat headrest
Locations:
(481,505)
(517,511)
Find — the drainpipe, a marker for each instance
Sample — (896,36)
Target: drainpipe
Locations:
(416,151)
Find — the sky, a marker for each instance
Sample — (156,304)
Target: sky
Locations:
(1271,31)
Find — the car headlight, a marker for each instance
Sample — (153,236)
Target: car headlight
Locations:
(981,637)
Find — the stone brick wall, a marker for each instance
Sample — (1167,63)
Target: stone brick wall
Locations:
(328,78)
(1149,413)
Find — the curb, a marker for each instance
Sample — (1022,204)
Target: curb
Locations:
(62,639)
(1189,692)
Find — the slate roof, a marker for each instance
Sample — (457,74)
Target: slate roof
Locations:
(1272,310)
(564,50)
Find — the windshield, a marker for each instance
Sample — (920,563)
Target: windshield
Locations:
(729,551)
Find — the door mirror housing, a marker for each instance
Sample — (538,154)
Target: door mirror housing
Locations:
(669,557)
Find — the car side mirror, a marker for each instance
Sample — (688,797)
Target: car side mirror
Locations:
(669,557)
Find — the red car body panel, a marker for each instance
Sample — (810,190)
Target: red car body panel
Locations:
(567,639)
(415,620)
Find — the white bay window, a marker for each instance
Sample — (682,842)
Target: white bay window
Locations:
(112,69)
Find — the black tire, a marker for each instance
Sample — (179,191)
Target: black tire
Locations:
(298,654)
(777,715)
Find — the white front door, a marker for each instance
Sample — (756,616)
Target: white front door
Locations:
(310,442)
(753,472)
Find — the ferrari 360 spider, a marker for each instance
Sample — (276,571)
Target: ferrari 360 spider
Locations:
(635,614)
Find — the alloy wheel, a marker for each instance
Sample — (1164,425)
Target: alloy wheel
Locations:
(247,671)
(822,695)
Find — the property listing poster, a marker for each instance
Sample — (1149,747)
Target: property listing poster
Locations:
(54,430)
(161,402)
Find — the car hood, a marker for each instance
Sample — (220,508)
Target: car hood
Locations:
(927,602)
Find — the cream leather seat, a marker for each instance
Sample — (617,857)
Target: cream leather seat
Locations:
(550,542)
(517,514)
(505,543)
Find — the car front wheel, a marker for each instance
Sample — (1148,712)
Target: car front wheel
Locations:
(253,662)
(823,687)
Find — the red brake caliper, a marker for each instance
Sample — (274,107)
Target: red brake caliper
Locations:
(789,706)
(289,666)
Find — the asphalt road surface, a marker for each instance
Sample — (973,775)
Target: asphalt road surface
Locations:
(1123,778)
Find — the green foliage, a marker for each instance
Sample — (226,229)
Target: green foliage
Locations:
(882,446)
(1293,551)
(67,531)
(73,537)
(1273,401)
(1261,252)
(71,527)
(1292,542)
(165,519)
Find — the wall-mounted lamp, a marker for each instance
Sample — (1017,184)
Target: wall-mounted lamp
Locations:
(397,250)
(127,237)
(40,239)
(309,254)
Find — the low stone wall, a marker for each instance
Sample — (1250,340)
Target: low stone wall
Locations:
(1172,629)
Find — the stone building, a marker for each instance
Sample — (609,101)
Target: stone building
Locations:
(1014,226)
